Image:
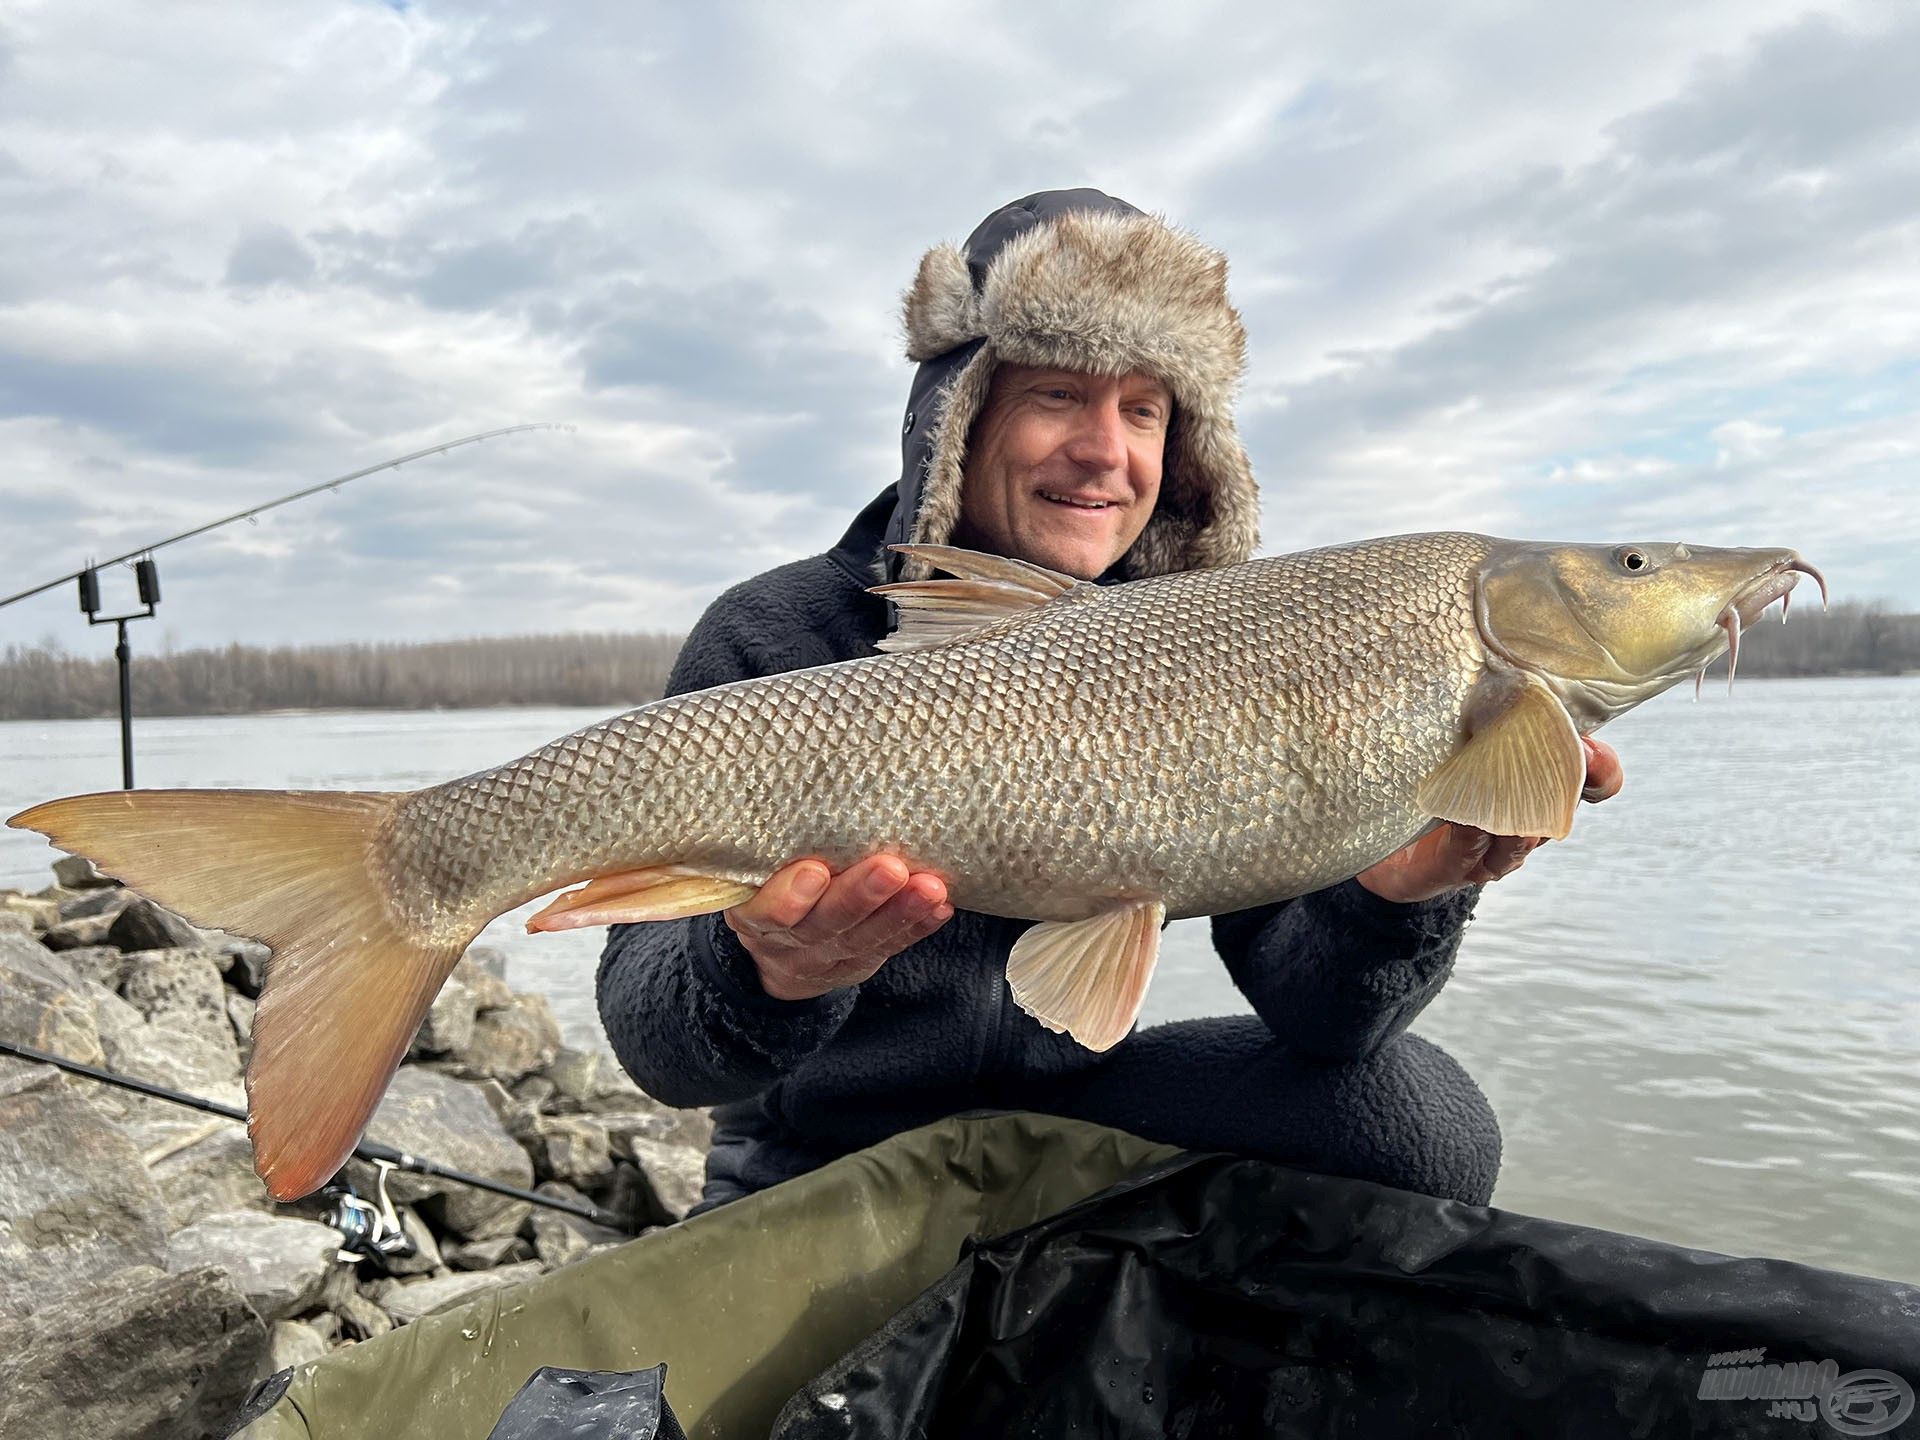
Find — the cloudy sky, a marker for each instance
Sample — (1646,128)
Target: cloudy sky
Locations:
(1594,272)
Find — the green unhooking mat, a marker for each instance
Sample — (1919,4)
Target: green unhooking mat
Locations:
(1021,1275)
(745,1304)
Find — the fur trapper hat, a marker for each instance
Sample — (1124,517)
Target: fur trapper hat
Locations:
(1078,280)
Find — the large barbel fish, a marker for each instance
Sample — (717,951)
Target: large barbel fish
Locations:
(1097,759)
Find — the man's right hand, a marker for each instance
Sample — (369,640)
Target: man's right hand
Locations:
(810,931)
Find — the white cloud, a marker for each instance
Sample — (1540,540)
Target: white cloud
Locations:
(1556,271)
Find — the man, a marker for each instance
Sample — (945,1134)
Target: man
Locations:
(1073,408)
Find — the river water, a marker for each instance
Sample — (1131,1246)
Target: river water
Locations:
(1698,1018)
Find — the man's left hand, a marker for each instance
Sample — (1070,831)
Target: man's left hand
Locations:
(1454,855)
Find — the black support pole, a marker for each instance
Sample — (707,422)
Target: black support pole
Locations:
(124,654)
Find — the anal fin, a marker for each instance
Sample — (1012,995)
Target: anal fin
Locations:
(1520,772)
(1088,977)
(660,892)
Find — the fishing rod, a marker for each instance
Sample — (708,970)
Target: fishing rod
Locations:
(384,1155)
(252,511)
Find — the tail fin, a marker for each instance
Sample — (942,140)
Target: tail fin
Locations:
(302,871)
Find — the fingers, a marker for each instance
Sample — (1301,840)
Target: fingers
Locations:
(1504,855)
(877,903)
(1604,775)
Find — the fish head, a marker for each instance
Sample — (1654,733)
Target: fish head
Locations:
(1608,626)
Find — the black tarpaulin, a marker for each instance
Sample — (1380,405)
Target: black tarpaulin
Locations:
(1218,1296)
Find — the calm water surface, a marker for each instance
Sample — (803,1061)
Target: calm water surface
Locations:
(1698,1017)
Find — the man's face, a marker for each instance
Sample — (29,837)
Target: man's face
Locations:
(1063,468)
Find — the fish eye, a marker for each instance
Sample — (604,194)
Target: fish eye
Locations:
(1633,560)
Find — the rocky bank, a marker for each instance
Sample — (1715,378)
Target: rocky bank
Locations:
(147,1281)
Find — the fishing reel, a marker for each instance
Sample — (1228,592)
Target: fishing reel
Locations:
(369,1230)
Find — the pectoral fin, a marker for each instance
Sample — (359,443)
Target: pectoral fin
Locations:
(1088,977)
(1521,771)
(663,892)
(990,588)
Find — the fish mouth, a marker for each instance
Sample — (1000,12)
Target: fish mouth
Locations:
(1740,612)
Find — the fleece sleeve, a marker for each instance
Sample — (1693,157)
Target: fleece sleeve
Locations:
(1339,972)
(680,999)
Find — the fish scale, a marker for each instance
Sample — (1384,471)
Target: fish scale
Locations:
(1215,738)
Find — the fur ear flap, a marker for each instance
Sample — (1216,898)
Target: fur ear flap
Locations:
(941,310)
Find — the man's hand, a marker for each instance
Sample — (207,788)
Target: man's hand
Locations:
(810,931)
(1454,855)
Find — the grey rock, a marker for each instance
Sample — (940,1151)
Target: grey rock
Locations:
(617,1094)
(240,1010)
(100,963)
(513,1041)
(42,1004)
(73,934)
(278,1262)
(325,1324)
(36,913)
(559,1238)
(407,1303)
(488,960)
(242,962)
(76,872)
(115,1020)
(361,1318)
(689,1128)
(572,1148)
(142,1355)
(76,1203)
(535,1090)
(95,902)
(290,1343)
(143,925)
(485,980)
(425,1113)
(575,1075)
(181,1060)
(211,1174)
(180,990)
(449,1022)
(12,922)
(675,1175)
(486,1254)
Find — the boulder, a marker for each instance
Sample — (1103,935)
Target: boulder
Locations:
(143,925)
(73,934)
(483,970)
(675,1175)
(179,1061)
(513,1041)
(488,960)
(242,962)
(100,963)
(491,1252)
(560,1238)
(139,1355)
(449,1022)
(43,1005)
(430,1114)
(240,1015)
(576,1077)
(208,1175)
(278,1262)
(89,903)
(290,1343)
(12,922)
(572,1148)
(76,872)
(76,1203)
(689,1128)
(34,913)
(361,1319)
(180,990)
(534,1091)
(407,1303)
(617,1094)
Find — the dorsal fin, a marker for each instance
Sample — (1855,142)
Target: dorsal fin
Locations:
(990,588)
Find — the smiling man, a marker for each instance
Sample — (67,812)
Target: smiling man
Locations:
(1073,408)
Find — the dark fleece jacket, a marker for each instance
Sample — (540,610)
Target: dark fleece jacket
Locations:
(1324,1078)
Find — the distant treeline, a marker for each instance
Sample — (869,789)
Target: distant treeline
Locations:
(1850,639)
(613,671)
(619,671)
